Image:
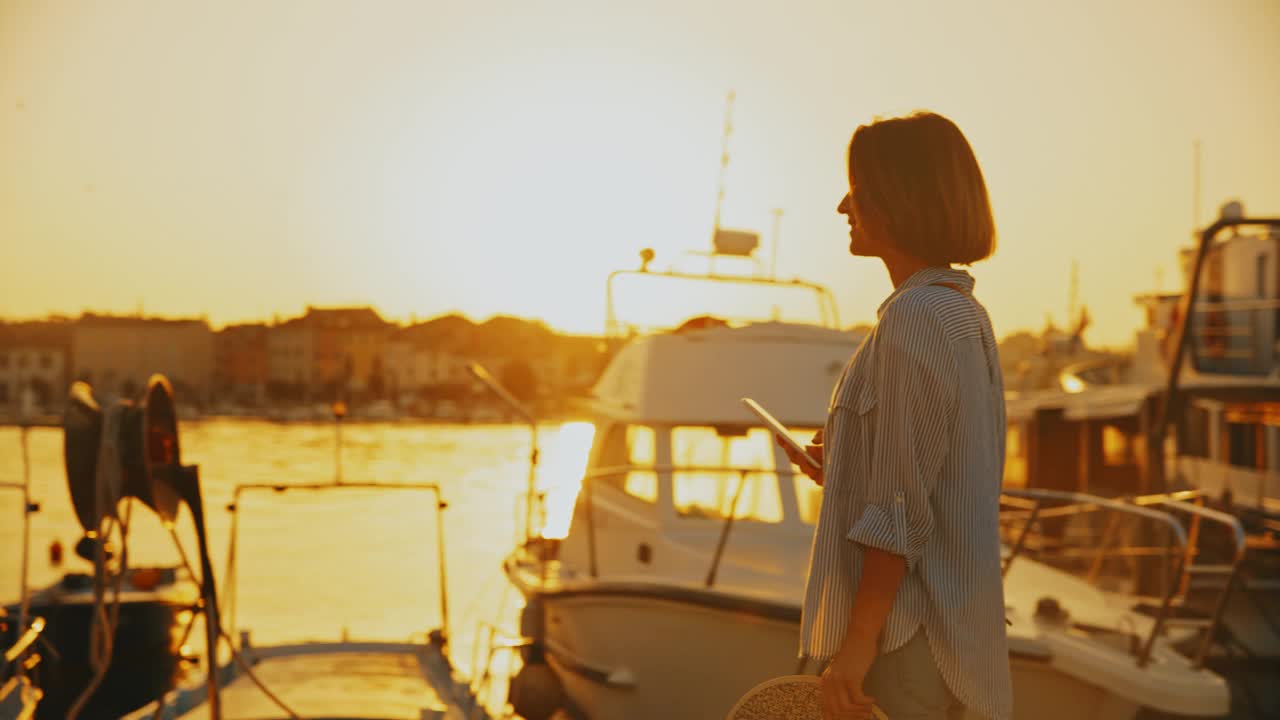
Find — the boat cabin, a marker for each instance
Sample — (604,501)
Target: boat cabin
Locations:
(679,465)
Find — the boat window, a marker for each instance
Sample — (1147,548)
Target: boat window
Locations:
(720,463)
(1193,432)
(630,446)
(1117,447)
(1245,445)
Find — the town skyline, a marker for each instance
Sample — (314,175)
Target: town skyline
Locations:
(275,318)
(294,368)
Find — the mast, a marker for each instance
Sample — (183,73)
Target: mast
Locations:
(777,232)
(724,159)
(1195,175)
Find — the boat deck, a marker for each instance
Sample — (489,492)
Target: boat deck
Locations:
(365,685)
(374,681)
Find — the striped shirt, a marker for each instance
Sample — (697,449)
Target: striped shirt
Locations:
(914,457)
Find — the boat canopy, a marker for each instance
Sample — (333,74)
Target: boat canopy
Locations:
(699,376)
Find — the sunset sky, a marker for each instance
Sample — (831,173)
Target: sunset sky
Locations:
(245,159)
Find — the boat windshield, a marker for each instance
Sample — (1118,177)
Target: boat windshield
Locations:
(710,467)
(710,493)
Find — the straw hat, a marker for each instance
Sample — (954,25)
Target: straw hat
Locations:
(790,697)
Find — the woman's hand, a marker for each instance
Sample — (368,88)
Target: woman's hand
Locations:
(842,696)
(815,451)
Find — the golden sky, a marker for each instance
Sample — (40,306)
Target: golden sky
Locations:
(242,159)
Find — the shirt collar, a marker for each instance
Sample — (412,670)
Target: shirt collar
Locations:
(932,275)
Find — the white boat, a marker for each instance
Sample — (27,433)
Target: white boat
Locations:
(1104,432)
(679,584)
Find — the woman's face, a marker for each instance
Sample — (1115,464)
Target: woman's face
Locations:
(866,238)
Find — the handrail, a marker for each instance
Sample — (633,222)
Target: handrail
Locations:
(1158,498)
(1233,523)
(1114,505)
(1138,506)
(1039,496)
(826,300)
(1238,537)
(433,488)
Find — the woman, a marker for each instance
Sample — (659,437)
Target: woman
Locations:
(904,601)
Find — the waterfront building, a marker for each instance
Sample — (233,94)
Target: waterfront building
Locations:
(241,367)
(117,354)
(33,363)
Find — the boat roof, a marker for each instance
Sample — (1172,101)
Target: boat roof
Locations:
(699,376)
(1098,402)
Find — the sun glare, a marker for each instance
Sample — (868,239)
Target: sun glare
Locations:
(561,475)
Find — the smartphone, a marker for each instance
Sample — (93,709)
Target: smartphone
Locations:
(780,430)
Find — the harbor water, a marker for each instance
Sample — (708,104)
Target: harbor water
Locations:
(313,566)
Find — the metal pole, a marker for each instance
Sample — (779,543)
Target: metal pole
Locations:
(724,532)
(1195,200)
(337,451)
(1022,538)
(1162,615)
(480,373)
(27,508)
(533,479)
(229,589)
(444,594)
(587,485)
(724,161)
(777,233)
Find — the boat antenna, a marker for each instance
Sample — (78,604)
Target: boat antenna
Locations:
(479,372)
(724,159)
(1195,175)
(777,233)
(1073,294)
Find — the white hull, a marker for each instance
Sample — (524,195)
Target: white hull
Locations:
(686,661)
(695,662)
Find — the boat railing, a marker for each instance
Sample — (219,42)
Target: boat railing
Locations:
(21,658)
(828,311)
(1191,504)
(229,591)
(496,640)
(1179,551)
(1036,505)
(602,473)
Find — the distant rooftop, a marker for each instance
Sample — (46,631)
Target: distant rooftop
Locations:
(96,319)
(42,333)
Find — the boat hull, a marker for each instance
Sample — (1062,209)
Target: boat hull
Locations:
(722,652)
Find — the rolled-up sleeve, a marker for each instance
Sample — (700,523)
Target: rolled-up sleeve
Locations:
(914,378)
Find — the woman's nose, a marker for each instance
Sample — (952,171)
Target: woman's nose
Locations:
(843,207)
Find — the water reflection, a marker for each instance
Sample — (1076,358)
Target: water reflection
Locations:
(312,565)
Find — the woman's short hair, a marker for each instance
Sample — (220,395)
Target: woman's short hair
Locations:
(919,176)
